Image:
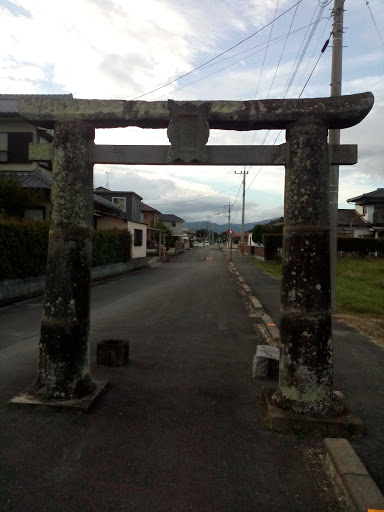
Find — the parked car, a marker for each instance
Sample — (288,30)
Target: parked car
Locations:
(206,243)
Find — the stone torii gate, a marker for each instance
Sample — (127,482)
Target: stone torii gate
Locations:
(306,363)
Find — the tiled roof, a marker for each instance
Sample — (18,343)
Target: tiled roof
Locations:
(38,180)
(30,179)
(9,102)
(170,217)
(146,208)
(8,106)
(118,193)
(374,197)
(349,218)
(104,202)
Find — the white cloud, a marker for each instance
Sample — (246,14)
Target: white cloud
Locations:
(120,49)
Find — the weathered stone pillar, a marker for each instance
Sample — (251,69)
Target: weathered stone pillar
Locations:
(64,371)
(306,363)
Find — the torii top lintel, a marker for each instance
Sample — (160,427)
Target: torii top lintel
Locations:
(336,112)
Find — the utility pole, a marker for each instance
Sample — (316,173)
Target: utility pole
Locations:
(229,229)
(334,138)
(243,207)
(229,215)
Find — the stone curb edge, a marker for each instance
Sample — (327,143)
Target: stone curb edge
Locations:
(353,484)
(265,323)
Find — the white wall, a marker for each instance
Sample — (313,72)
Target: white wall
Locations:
(138,251)
(369,211)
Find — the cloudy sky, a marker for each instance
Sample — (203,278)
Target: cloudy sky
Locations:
(126,49)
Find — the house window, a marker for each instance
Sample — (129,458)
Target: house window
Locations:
(14,147)
(121,203)
(364,210)
(138,237)
(37,214)
(174,223)
(3,147)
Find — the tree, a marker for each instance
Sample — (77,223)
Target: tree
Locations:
(257,234)
(201,233)
(169,241)
(272,228)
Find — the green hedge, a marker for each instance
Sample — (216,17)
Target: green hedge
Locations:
(362,246)
(23,248)
(111,246)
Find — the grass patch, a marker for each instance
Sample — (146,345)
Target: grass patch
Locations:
(360,295)
(272,268)
(360,286)
(359,292)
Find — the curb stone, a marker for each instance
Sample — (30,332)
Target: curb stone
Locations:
(353,484)
(264,323)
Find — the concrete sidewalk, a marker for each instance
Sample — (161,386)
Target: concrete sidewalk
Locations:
(358,366)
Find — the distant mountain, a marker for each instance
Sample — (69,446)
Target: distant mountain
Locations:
(219,228)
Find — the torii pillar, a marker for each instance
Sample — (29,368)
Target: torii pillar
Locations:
(63,370)
(306,362)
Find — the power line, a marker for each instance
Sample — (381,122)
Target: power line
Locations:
(282,51)
(297,65)
(321,53)
(302,51)
(266,52)
(373,19)
(217,56)
(274,41)
(311,57)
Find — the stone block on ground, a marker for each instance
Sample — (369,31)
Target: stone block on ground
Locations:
(266,362)
(113,352)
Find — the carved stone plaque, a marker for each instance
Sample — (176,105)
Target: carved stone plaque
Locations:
(188,132)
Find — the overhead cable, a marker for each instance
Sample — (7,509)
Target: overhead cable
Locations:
(217,56)
(374,21)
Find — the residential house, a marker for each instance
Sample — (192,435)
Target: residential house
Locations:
(130,206)
(15,135)
(352,225)
(370,207)
(173,222)
(150,217)
(106,215)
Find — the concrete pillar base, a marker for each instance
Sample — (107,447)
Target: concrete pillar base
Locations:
(328,406)
(78,404)
(346,424)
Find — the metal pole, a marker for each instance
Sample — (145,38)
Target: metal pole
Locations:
(243,206)
(334,138)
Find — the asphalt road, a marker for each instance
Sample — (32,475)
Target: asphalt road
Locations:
(180,428)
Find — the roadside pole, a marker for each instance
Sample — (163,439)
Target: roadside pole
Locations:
(334,138)
(243,209)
